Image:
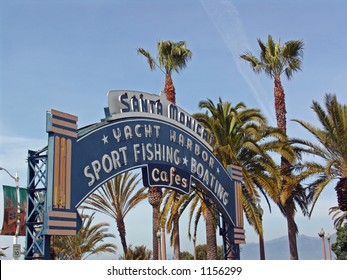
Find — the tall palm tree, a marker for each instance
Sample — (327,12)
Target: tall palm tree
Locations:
(241,137)
(88,241)
(172,56)
(331,148)
(276,59)
(116,198)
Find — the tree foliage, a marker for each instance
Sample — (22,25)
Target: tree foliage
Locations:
(137,253)
(276,59)
(241,136)
(339,216)
(331,148)
(116,198)
(90,240)
(186,256)
(201,252)
(340,246)
(172,56)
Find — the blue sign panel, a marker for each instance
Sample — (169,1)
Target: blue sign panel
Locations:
(168,154)
(167,176)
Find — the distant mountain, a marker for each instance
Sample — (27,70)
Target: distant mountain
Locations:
(309,248)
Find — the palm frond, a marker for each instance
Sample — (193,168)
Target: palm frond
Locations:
(88,241)
(339,217)
(151,61)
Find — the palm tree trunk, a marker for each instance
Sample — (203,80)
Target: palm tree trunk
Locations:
(261,246)
(154,198)
(280,105)
(122,234)
(290,214)
(169,89)
(176,238)
(155,217)
(211,239)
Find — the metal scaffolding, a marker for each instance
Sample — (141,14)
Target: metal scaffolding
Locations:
(37,243)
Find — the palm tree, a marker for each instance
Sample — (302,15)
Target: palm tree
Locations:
(116,198)
(88,241)
(332,148)
(275,60)
(172,56)
(241,137)
(138,253)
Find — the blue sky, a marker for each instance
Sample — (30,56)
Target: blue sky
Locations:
(67,55)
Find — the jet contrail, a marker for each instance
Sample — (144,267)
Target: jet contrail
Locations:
(226,19)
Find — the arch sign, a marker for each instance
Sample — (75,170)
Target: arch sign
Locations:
(140,130)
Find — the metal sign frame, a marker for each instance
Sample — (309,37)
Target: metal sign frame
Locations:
(140,131)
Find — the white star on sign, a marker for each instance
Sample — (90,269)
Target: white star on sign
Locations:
(185,161)
(218,170)
(104,139)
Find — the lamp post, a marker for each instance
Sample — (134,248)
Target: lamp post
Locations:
(321,235)
(329,247)
(261,235)
(16,246)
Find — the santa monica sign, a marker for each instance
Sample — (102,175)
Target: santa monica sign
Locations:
(139,102)
(140,130)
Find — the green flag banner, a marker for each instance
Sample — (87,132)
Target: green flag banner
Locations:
(23,209)
(10,210)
